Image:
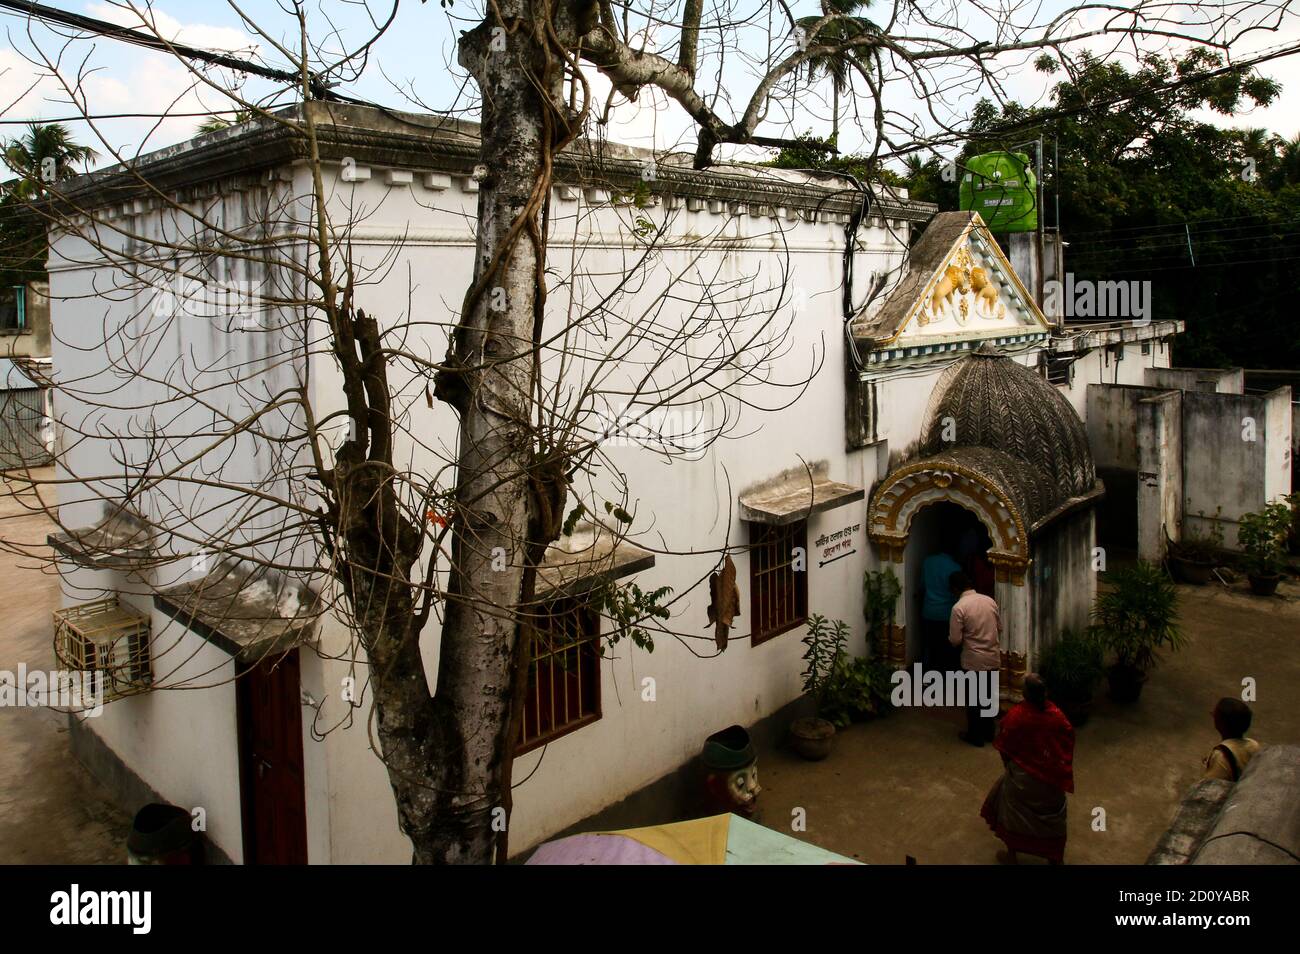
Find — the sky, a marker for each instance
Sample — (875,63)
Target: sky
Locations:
(412,66)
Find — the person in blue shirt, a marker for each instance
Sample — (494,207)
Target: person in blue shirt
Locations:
(936,607)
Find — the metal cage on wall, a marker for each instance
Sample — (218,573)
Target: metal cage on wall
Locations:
(107,637)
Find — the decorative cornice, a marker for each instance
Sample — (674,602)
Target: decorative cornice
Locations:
(408,141)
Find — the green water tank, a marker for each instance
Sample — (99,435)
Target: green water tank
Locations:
(1002,188)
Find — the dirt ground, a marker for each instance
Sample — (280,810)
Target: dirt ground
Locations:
(906,785)
(50,809)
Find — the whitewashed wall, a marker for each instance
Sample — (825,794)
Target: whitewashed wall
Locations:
(680,505)
(683,506)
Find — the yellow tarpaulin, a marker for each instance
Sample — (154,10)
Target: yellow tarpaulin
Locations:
(702,841)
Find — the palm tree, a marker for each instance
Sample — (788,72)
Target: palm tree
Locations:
(838,64)
(214,123)
(1289,160)
(27,156)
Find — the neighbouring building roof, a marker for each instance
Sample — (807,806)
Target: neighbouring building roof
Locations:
(16,375)
(1004,420)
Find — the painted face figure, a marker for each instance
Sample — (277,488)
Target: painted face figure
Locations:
(734,790)
(744,788)
(730,772)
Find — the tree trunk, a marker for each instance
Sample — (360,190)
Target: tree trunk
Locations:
(835,113)
(491,387)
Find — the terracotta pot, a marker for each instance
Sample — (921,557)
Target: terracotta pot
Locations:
(1076,710)
(812,738)
(1125,683)
(1192,571)
(1264,585)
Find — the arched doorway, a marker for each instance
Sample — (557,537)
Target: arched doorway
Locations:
(939,526)
(929,502)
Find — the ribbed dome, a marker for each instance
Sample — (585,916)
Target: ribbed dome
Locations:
(987,400)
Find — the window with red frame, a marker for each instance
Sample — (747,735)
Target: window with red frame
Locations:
(564,674)
(778,593)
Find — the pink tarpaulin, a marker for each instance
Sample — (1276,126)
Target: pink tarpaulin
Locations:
(598,850)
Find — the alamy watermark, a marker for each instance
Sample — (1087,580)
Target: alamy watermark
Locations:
(239,302)
(946,689)
(1085,298)
(76,691)
(133,909)
(683,429)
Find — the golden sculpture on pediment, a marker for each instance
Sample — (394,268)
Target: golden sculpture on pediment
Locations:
(987,297)
(954,281)
(962,277)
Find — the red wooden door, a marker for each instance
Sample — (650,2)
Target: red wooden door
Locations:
(271,772)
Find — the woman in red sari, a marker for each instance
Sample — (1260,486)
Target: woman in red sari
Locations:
(1026,806)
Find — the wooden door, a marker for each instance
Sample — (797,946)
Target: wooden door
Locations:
(271,764)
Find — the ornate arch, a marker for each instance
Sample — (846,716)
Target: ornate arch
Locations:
(911,488)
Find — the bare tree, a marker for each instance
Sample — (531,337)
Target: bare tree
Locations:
(370,522)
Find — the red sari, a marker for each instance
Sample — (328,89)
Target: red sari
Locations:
(1026,806)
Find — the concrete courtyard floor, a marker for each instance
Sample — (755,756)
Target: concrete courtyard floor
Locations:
(51,811)
(906,785)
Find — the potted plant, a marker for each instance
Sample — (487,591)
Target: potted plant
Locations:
(1263,535)
(1194,558)
(824,645)
(858,688)
(1072,666)
(1136,618)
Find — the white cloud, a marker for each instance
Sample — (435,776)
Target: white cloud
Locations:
(154,21)
(139,99)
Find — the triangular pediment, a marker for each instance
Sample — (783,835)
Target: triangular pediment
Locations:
(958,286)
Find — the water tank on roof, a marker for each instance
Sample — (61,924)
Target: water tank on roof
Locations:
(1002,188)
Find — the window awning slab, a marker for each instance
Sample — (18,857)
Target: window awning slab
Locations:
(795,497)
(122,539)
(586,559)
(246,614)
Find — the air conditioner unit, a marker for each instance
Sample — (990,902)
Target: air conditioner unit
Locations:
(106,637)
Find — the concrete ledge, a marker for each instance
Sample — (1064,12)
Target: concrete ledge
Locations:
(590,555)
(795,494)
(246,614)
(1197,813)
(1260,821)
(1253,822)
(122,539)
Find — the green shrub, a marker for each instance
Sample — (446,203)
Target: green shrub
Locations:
(858,688)
(1263,535)
(1072,666)
(1136,616)
(844,686)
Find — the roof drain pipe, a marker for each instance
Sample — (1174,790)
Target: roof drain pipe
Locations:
(850,246)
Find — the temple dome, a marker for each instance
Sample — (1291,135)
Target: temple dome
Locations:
(987,402)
